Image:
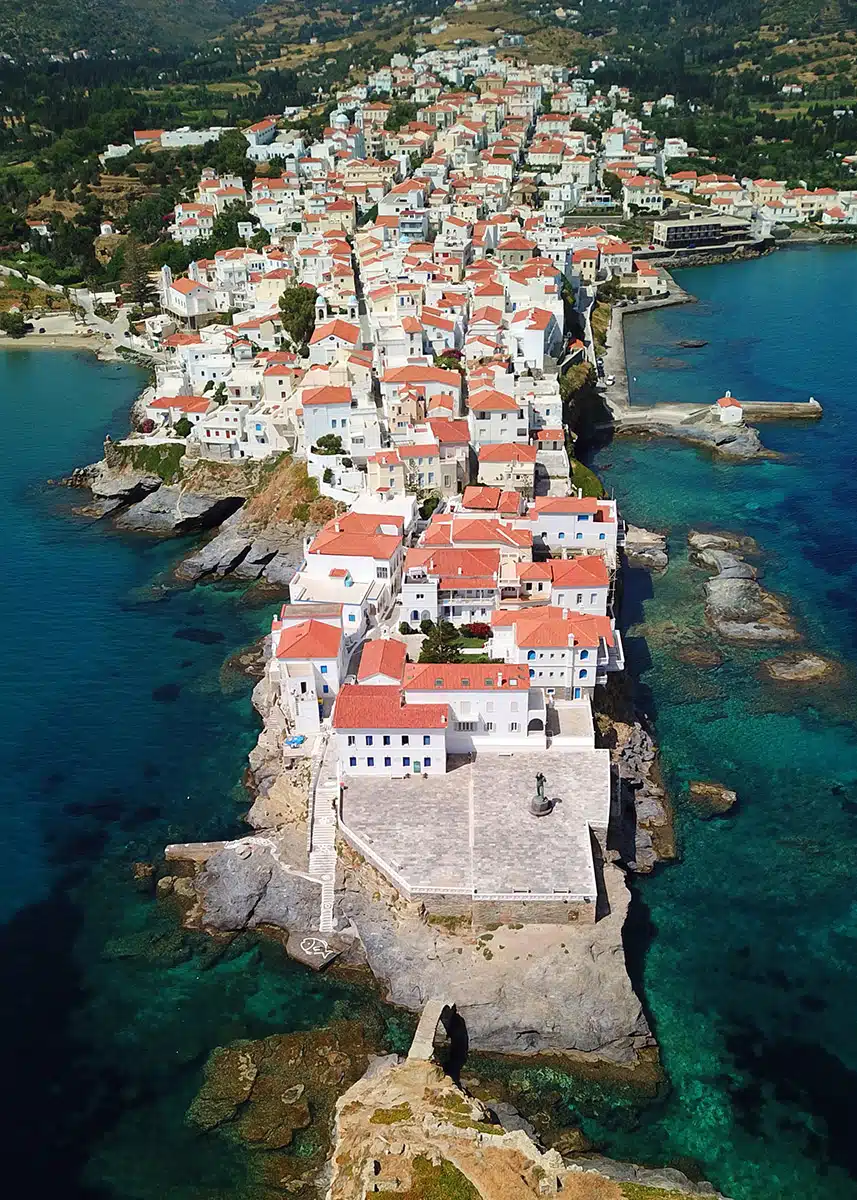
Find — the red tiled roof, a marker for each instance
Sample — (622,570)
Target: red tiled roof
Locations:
(310,639)
(382,656)
(462,677)
(507,452)
(361,707)
(326,395)
(194,404)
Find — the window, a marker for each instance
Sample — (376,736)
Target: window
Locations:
(325,688)
(465,726)
(388,762)
(579,599)
(583,518)
(352,762)
(370,762)
(601,537)
(369,739)
(426,762)
(386,739)
(593,596)
(426,739)
(561,536)
(583,673)
(323,669)
(532,673)
(406,762)
(531,654)
(415,616)
(351,739)
(406,739)
(489,725)
(513,727)
(577,693)
(382,573)
(578,537)
(584,654)
(351,616)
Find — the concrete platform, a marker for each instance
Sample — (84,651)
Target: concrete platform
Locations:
(470,830)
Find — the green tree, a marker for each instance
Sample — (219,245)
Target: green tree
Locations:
(329,443)
(13,324)
(613,185)
(135,274)
(297,308)
(182,427)
(440,645)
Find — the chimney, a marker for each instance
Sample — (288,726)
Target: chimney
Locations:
(499,679)
(337,527)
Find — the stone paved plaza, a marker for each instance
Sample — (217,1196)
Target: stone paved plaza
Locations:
(471,829)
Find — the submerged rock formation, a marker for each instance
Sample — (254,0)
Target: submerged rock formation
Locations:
(799,667)
(737,606)
(711,799)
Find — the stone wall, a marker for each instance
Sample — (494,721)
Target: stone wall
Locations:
(506,912)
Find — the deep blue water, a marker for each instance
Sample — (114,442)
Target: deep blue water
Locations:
(745,950)
(108,1009)
(750,965)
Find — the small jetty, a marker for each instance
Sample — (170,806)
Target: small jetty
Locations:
(779,410)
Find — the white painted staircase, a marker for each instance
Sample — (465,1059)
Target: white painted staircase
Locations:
(322,855)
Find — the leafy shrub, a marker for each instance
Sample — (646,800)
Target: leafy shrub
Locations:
(404,628)
(479,629)
(182,427)
(426,625)
(327,477)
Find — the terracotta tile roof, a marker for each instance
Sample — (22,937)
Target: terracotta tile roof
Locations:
(310,639)
(382,656)
(490,400)
(343,330)
(462,677)
(490,499)
(554,626)
(361,707)
(194,404)
(588,570)
(507,452)
(326,395)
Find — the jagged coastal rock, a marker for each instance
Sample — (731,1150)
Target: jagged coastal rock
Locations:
(406,1127)
(173,509)
(646,548)
(737,606)
(730,441)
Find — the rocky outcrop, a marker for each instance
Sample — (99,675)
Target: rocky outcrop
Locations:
(646,548)
(737,606)
(173,510)
(406,1128)
(246,884)
(643,835)
(641,832)
(527,990)
(711,799)
(248,549)
(738,442)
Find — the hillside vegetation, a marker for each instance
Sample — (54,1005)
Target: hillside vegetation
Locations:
(105,25)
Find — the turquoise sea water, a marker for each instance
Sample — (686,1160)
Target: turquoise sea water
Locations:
(747,949)
(118,733)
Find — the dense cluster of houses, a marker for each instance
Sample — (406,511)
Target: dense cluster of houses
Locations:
(444,275)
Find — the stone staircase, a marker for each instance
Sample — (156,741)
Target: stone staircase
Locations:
(322,856)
